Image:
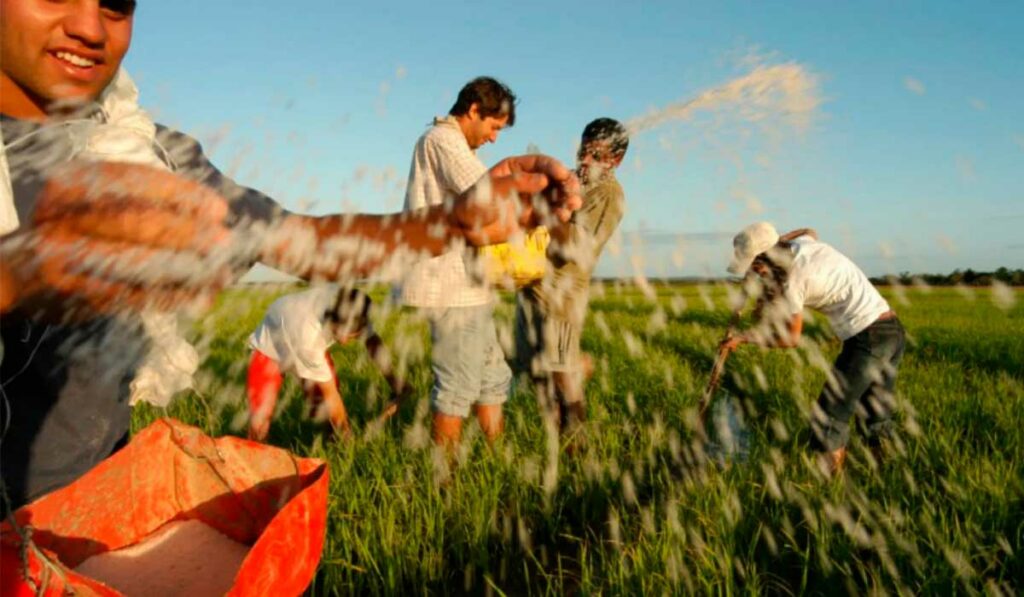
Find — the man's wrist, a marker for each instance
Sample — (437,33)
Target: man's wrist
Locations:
(752,339)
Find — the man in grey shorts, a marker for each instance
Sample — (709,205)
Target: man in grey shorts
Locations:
(470,373)
(550,313)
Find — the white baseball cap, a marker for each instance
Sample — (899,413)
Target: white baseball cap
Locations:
(749,243)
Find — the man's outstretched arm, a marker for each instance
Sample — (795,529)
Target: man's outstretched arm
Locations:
(114,236)
(518,192)
(788,336)
(795,234)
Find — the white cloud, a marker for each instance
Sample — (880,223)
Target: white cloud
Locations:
(946,243)
(913,85)
(965,166)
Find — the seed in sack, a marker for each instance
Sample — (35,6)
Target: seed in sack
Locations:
(180,558)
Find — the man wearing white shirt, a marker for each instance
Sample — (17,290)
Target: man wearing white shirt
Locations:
(797,271)
(294,337)
(469,367)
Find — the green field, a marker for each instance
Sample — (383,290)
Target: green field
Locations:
(630,513)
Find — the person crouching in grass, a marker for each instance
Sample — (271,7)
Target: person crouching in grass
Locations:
(295,336)
(797,271)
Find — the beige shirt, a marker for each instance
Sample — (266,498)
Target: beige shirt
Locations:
(564,292)
(443,167)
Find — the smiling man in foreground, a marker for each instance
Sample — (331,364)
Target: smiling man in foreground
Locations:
(105,214)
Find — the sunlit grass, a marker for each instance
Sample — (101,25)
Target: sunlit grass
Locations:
(631,513)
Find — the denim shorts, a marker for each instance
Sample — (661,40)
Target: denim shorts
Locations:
(468,362)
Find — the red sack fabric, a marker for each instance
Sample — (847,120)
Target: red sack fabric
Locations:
(252,493)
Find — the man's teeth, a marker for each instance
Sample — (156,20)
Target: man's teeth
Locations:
(75,59)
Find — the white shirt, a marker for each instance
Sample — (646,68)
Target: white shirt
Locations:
(443,166)
(293,333)
(8,213)
(827,281)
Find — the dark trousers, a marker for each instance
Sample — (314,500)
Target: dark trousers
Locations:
(862,383)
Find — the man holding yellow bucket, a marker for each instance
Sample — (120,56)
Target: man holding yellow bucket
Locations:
(550,312)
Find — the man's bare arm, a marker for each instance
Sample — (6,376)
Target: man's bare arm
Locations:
(795,234)
(789,337)
(336,413)
(516,193)
(116,236)
(111,237)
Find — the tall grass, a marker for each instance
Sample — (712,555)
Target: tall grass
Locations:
(636,510)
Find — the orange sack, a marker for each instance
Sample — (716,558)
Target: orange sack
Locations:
(254,494)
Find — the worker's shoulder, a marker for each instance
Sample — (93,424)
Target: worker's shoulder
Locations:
(167,135)
(604,192)
(180,149)
(441,133)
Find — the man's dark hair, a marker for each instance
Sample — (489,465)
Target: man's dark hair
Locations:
(351,308)
(124,7)
(773,287)
(610,130)
(491,96)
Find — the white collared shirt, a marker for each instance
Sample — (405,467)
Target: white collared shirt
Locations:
(8,214)
(825,280)
(443,166)
(293,333)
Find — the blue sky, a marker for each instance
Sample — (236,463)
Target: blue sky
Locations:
(912,162)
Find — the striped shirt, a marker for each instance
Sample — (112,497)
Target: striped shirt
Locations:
(443,166)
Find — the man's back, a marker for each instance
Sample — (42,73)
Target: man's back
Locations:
(824,279)
(293,332)
(443,166)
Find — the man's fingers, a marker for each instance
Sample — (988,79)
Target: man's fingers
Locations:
(59,245)
(562,188)
(556,171)
(564,214)
(521,191)
(389,411)
(528,184)
(537,163)
(145,227)
(112,186)
(78,297)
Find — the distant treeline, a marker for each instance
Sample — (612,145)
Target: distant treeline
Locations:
(967,277)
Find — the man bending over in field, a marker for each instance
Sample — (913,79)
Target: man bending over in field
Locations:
(806,272)
(550,313)
(296,335)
